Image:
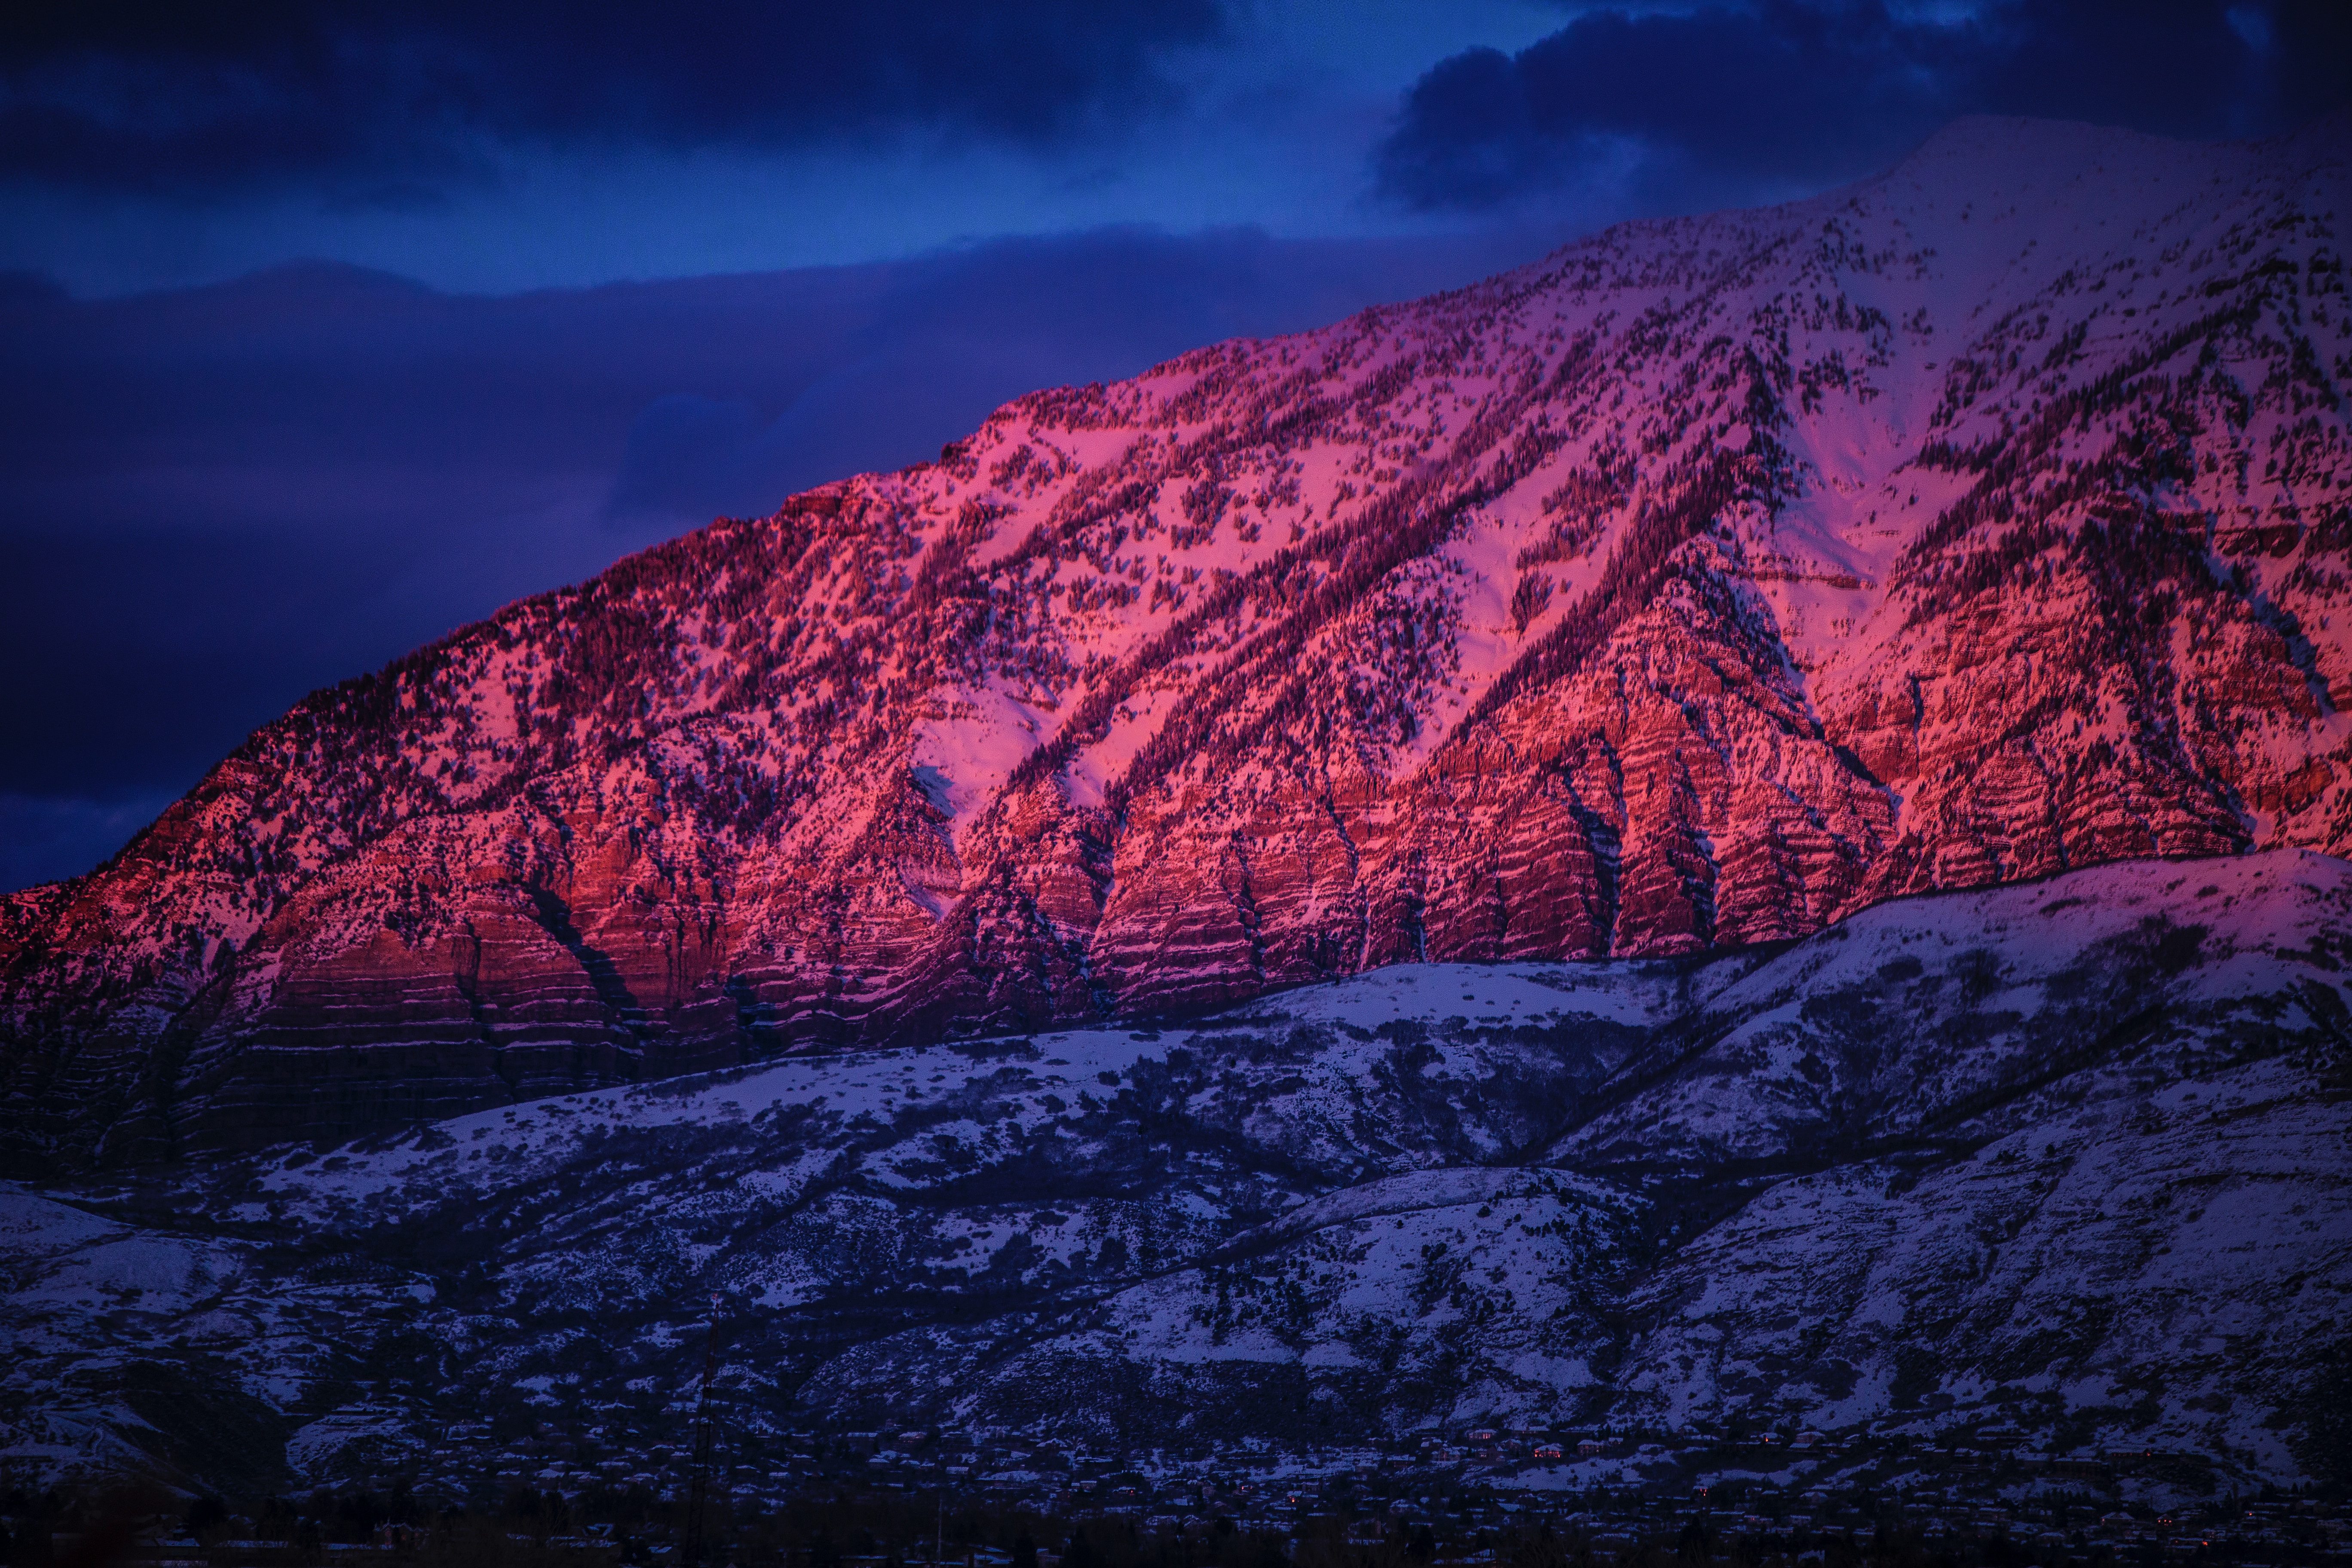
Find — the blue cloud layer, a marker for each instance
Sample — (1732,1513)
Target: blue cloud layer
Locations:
(1708,103)
(390,101)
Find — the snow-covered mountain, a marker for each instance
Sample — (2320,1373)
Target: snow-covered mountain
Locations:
(2068,1159)
(1693,587)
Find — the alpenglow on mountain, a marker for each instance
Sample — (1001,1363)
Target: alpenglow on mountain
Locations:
(1696,586)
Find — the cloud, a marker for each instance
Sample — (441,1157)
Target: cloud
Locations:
(391,103)
(1716,102)
(215,499)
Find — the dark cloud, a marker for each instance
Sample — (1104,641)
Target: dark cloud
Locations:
(388,101)
(1710,103)
(215,499)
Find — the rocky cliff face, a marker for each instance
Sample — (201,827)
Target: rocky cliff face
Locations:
(2065,1159)
(1696,585)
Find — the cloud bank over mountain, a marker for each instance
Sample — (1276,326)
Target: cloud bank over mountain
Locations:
(1710,103)
(390,103)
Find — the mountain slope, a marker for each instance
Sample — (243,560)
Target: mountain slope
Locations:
(1696,585)
(2068,1159)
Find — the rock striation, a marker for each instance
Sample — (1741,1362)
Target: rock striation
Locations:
(1696,585)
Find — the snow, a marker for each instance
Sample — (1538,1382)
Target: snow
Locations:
(963,756)
(1361,1191)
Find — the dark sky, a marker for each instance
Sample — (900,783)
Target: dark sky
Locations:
(325,329)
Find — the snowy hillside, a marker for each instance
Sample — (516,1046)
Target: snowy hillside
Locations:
(1694,586)
(2067,1158)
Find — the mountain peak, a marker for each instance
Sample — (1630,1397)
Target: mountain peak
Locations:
(1694,587)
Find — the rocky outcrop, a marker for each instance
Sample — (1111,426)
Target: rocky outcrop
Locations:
(1690,588)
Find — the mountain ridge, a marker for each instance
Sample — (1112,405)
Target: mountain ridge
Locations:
(1660,596)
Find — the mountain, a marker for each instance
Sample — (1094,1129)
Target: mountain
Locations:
(1692,588)
(2056,1166)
